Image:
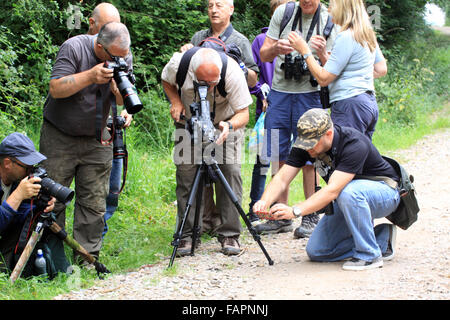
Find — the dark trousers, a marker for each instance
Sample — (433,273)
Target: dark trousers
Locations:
(89,163)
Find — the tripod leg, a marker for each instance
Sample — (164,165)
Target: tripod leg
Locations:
(235,201)
(179,233)
(195,228)
(27,251)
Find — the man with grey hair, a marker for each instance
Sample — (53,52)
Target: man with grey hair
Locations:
(101,15)
(231,116)
(76,109)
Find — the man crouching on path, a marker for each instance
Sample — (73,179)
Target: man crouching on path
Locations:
(341,155)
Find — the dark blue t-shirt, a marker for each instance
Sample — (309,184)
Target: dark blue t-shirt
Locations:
(351,152)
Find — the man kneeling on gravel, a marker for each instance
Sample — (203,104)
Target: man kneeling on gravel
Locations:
(342,156)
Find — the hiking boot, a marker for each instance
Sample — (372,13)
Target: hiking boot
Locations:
(185,247)
(274,226)
(359,265)
(230,246)
(389,253)
(307,226)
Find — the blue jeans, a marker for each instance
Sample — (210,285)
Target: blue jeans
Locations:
(112,200)
(259,174)
(350,232)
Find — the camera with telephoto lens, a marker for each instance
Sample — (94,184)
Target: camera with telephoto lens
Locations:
(50,188)
(200,124)
(116,127)
(125,83)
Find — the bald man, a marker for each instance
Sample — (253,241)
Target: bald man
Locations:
(102,14)
(231,117)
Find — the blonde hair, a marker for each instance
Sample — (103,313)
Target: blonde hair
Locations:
(352,14)
(276,3)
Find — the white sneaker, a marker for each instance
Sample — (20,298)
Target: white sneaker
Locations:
(358,265)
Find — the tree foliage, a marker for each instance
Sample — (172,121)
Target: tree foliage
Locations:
(31,32)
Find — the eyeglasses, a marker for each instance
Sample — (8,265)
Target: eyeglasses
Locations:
(110,55)
(208,83)
(26,167)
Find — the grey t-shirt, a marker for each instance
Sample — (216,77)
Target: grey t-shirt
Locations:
(279,83)
(238,39)
(75,115)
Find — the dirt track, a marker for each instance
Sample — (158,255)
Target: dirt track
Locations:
(420,269)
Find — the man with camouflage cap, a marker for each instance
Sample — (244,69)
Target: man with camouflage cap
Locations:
(346,159)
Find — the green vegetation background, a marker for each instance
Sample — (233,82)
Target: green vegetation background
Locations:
(412,98)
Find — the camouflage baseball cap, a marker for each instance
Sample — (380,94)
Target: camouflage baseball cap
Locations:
(311,126)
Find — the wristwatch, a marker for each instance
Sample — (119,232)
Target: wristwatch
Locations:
(296,211)
(229,125)
(306,55)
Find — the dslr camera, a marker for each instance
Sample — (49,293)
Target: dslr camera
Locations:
(50,188)
(125,83)
(116,127)
(200,124)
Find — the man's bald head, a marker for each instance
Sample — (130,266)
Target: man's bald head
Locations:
(207,65)
(102,14)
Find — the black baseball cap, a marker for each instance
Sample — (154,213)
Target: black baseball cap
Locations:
(22,148)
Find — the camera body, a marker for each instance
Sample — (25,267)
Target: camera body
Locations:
(125,83)
(116,125)
(200,124)
(50,188)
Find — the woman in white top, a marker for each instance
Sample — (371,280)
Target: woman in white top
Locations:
(354,62)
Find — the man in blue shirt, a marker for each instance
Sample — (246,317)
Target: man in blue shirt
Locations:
(17,158)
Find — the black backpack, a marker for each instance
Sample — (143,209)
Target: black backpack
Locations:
(224,51)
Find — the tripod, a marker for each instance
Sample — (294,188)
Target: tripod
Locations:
(47,220)
(202,173)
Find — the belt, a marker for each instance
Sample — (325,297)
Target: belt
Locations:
(370,92)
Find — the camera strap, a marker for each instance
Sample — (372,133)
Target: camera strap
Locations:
(227,33)
(314,23)
(26,230)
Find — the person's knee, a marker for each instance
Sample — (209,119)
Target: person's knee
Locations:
(312,252)
(348,197)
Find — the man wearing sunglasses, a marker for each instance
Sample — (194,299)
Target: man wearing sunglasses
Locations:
(230,117)
(79,97)
(17,158)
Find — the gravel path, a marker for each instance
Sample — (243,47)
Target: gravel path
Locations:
(420,269)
